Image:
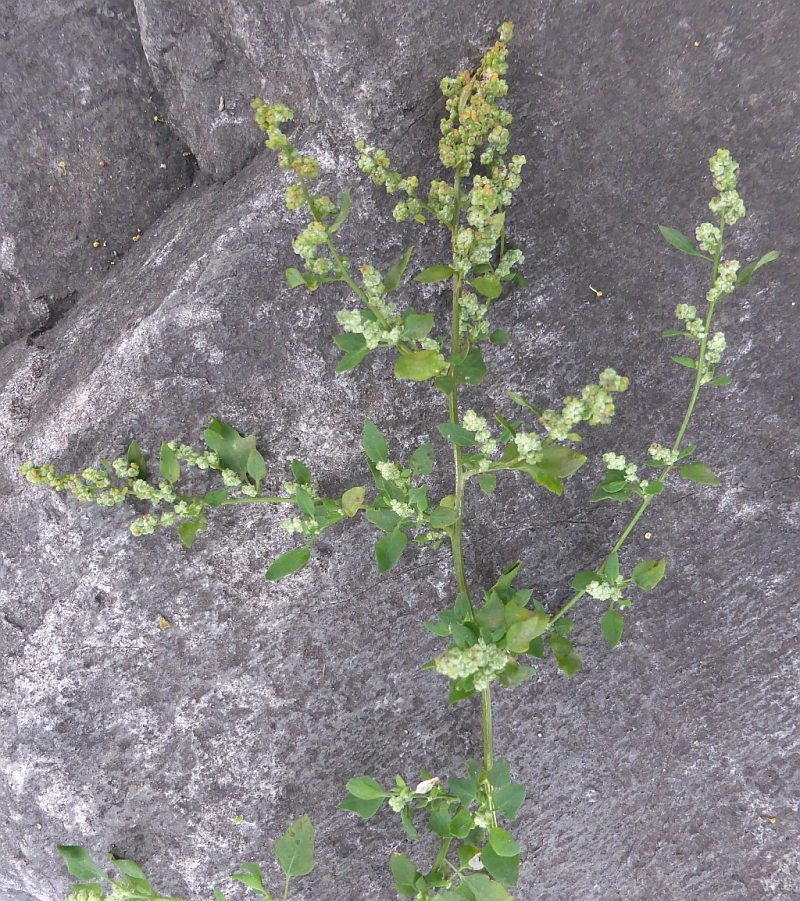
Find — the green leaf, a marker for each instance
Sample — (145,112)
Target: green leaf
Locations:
(654,488)
(472,370)
(462,824)
(679,241)
(584,577)
(383,518)
(442,517)
(503,843)
(560,462)
(435,274)
(232,448)
(366,788)
(489,287)
(256,468)
(394,275)
(519,399)
(699,472)
(300,473)
(288,563)
(487,482)
(78,862)
(499,336)
(304,501)
(421,462)
(456,434)
(344,212)
(466,790)
(722,380)
(373,442)
(551,483)
(674,333)
(217,497)
(611,568)
(350,341)
(484,889)
(417,326)
(294,278)
(251,877)
(365,809)
(747,273)
(503,869)
(405,819)
(611,626)
(294,850)
(352,500)
(405,874)
(187,531)
(521,634)
(351,360)
(168,465)
(135,455)
(568,661)
(689,449)
(509,798)
(649,573)
(492,615)
(389,550)
(218,896)
(688,362)
(419,366)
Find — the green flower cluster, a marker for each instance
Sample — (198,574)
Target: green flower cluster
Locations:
(483,437)
(708,237)
(484,662)
(663,454)
(617,463)
(687,314)
(90,485)
(529,445)
(595,406)
(725,281)
(307,245)
(608,591)
(724,171)
(269,118)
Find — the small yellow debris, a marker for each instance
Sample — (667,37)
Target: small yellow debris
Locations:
(648,534)
(63,167)
(237,819)
(95,243)
(136,237)
(768,817)
(598,293)
(163,622)
(102,163)
(697,43)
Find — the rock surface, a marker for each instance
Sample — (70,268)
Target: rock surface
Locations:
(668,768)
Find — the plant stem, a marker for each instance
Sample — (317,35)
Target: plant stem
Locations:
(698,379)
(441,857)
(286,888)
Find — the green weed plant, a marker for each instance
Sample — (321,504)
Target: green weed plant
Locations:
(496,640)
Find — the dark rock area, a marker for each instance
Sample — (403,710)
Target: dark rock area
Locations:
(668,768)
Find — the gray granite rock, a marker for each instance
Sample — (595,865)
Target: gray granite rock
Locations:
(667,768)
(81,158)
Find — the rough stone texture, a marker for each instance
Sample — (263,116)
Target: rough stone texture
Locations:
(658,770)
(75,90)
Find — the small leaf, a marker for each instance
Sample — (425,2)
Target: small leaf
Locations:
(135,455)
(350,341)
(519,399)
(417,326)
(288,563)
(611,626)
(129,868)
(232,448)
(568,661)
(747,273)
(509,798)
(521,634)
(484,889)
(489,287)
(421,462)
(505,869)
(366,788)
(499,336)
(351,360)
(689,449)
(218,896)
(294,850)
(405,875)
(364,809)
(384,519)
(560,462)
(300,473)
(187,531)
(487,482)
(419,366)
(217,497)
(456,434)
(722,380)
(472,370)
(304,502)
(688,362)
(168,465)
(294,278)
(649,573)
(389,550)
(344,212)
(611,568)
(654,488)
(352,500)
(394,275)
(78,862)
(442,517)
(674,333)
(699,472)
(251,877)
(584,577)
(434,274)
(679,241)
(256,468)
(373,442)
